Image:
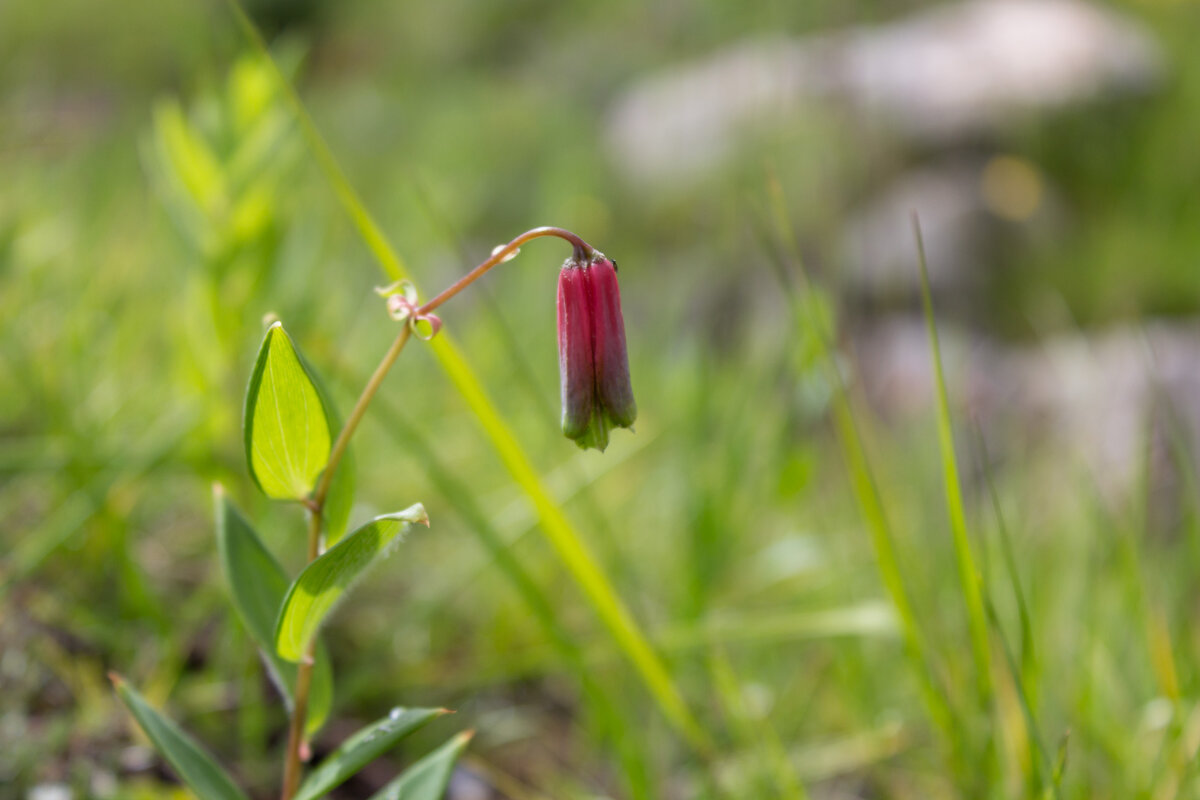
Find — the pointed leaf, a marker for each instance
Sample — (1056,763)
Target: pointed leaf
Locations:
(191,762)
(323,582)
(364,746)
(340,497)
(286,427)
(427,779)
(340,500)
(257,585)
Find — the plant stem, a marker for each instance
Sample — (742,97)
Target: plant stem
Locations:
(582,250)
(295,743)
(356,415)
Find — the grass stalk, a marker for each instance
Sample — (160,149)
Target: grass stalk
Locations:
(968,575)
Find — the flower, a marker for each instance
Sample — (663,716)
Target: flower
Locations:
(593,364)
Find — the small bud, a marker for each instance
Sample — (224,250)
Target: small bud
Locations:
(403,305)
(592,359)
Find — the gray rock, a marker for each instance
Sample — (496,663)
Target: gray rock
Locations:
(940,75)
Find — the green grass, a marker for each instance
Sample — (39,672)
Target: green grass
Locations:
(769,590)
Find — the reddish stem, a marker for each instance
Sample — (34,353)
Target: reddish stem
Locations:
(583,251)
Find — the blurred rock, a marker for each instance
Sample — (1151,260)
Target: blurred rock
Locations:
(894,369)
(50,791)
(103,784)
(941,75)
(466,785)
(879,246)
(1100,400)
(1117,398)
(969,67)
(966,208)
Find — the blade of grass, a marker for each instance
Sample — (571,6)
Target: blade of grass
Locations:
(512,519)
(1021,671)
(1028,653)
(863,483)
(968,575)
(565,539)
(1040,755)
(571,548)
(1025,675)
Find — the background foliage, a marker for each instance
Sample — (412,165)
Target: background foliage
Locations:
(159,203)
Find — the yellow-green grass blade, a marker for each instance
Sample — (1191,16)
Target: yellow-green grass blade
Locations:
(566,540)
(870,502)
(1027,652)
(1040,756)
(570,546)
(968,575)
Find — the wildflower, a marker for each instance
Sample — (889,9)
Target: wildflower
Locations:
(593,364)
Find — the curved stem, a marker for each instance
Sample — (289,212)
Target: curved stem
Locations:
(356,414)
(582,250)
(316,508)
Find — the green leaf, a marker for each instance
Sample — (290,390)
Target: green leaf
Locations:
(364,746)
(286,427)
(191,762)
(340,497)
(340,500)
(323,582)
(427,779)
(257,585)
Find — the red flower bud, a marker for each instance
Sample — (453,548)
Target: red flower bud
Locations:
(593,364)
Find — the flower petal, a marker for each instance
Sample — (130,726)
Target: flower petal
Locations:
(613,388)
(576,369)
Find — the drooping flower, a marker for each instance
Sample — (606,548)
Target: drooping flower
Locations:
(593,363)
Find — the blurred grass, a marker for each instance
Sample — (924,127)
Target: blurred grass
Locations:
(728,522)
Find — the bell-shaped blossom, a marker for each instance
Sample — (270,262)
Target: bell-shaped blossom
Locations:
(593,364)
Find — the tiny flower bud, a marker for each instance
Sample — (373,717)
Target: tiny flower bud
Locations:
(593,363)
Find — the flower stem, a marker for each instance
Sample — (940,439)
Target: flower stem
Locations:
(295,744)
(582,250)
(356,415)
